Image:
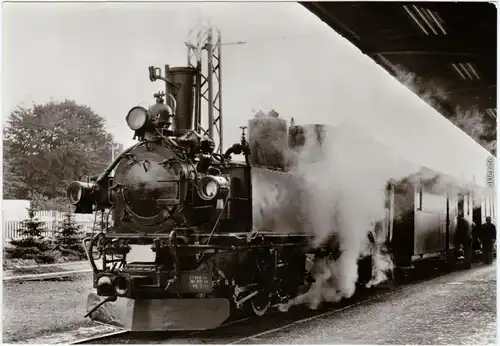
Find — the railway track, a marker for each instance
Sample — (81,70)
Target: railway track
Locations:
(100,337)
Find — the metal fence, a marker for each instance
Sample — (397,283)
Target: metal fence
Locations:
(52,220)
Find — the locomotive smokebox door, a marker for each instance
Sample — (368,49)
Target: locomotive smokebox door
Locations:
(150,189)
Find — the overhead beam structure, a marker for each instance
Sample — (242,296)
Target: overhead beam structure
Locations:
(451,45)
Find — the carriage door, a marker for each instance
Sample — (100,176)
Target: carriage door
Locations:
(389,211)
(460,205)
(456,208)
(448,221)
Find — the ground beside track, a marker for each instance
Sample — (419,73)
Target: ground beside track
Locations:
(35,308)
(456,308)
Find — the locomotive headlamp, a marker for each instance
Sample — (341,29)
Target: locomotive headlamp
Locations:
(79,191)
(210,187)
(121,285)
(83,196)
(137,117)
(104,281)
(105,286)
(75,193)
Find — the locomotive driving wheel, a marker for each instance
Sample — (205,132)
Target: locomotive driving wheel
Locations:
(265,274)
(260,303)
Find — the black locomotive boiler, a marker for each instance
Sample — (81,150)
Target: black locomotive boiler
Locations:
(182,242)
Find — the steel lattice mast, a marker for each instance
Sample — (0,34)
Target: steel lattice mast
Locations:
(208,84)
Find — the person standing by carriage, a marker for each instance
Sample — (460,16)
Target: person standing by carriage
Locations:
(487,235)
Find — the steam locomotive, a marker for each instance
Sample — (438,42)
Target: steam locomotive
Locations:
(204,248)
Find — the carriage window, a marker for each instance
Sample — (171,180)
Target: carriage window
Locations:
(466,199)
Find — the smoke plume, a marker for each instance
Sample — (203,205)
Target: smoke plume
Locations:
(336,197)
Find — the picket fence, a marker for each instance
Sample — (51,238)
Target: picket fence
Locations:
(51,221)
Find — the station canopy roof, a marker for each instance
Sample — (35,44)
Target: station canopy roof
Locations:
(451,45)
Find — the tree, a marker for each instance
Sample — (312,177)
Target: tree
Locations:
(49,145)
(44,203)
(429,90)
(68,239)
(32,245)
(12,180)
(471,121)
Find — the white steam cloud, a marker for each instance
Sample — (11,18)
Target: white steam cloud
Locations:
(339,194)
(335,192)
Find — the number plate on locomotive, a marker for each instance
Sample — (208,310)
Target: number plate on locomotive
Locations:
(197,282)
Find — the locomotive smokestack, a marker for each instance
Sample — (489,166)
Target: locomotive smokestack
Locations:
(184,78)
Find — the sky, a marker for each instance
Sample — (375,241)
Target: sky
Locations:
(98,54)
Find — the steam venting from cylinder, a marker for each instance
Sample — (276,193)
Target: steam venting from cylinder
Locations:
(183,78)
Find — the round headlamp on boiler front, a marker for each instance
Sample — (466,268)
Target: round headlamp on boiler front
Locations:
(77,191)
(137,118)
(210,187)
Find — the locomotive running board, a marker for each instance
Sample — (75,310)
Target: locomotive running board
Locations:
(160,314)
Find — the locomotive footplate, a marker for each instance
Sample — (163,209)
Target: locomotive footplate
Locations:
(160,314)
